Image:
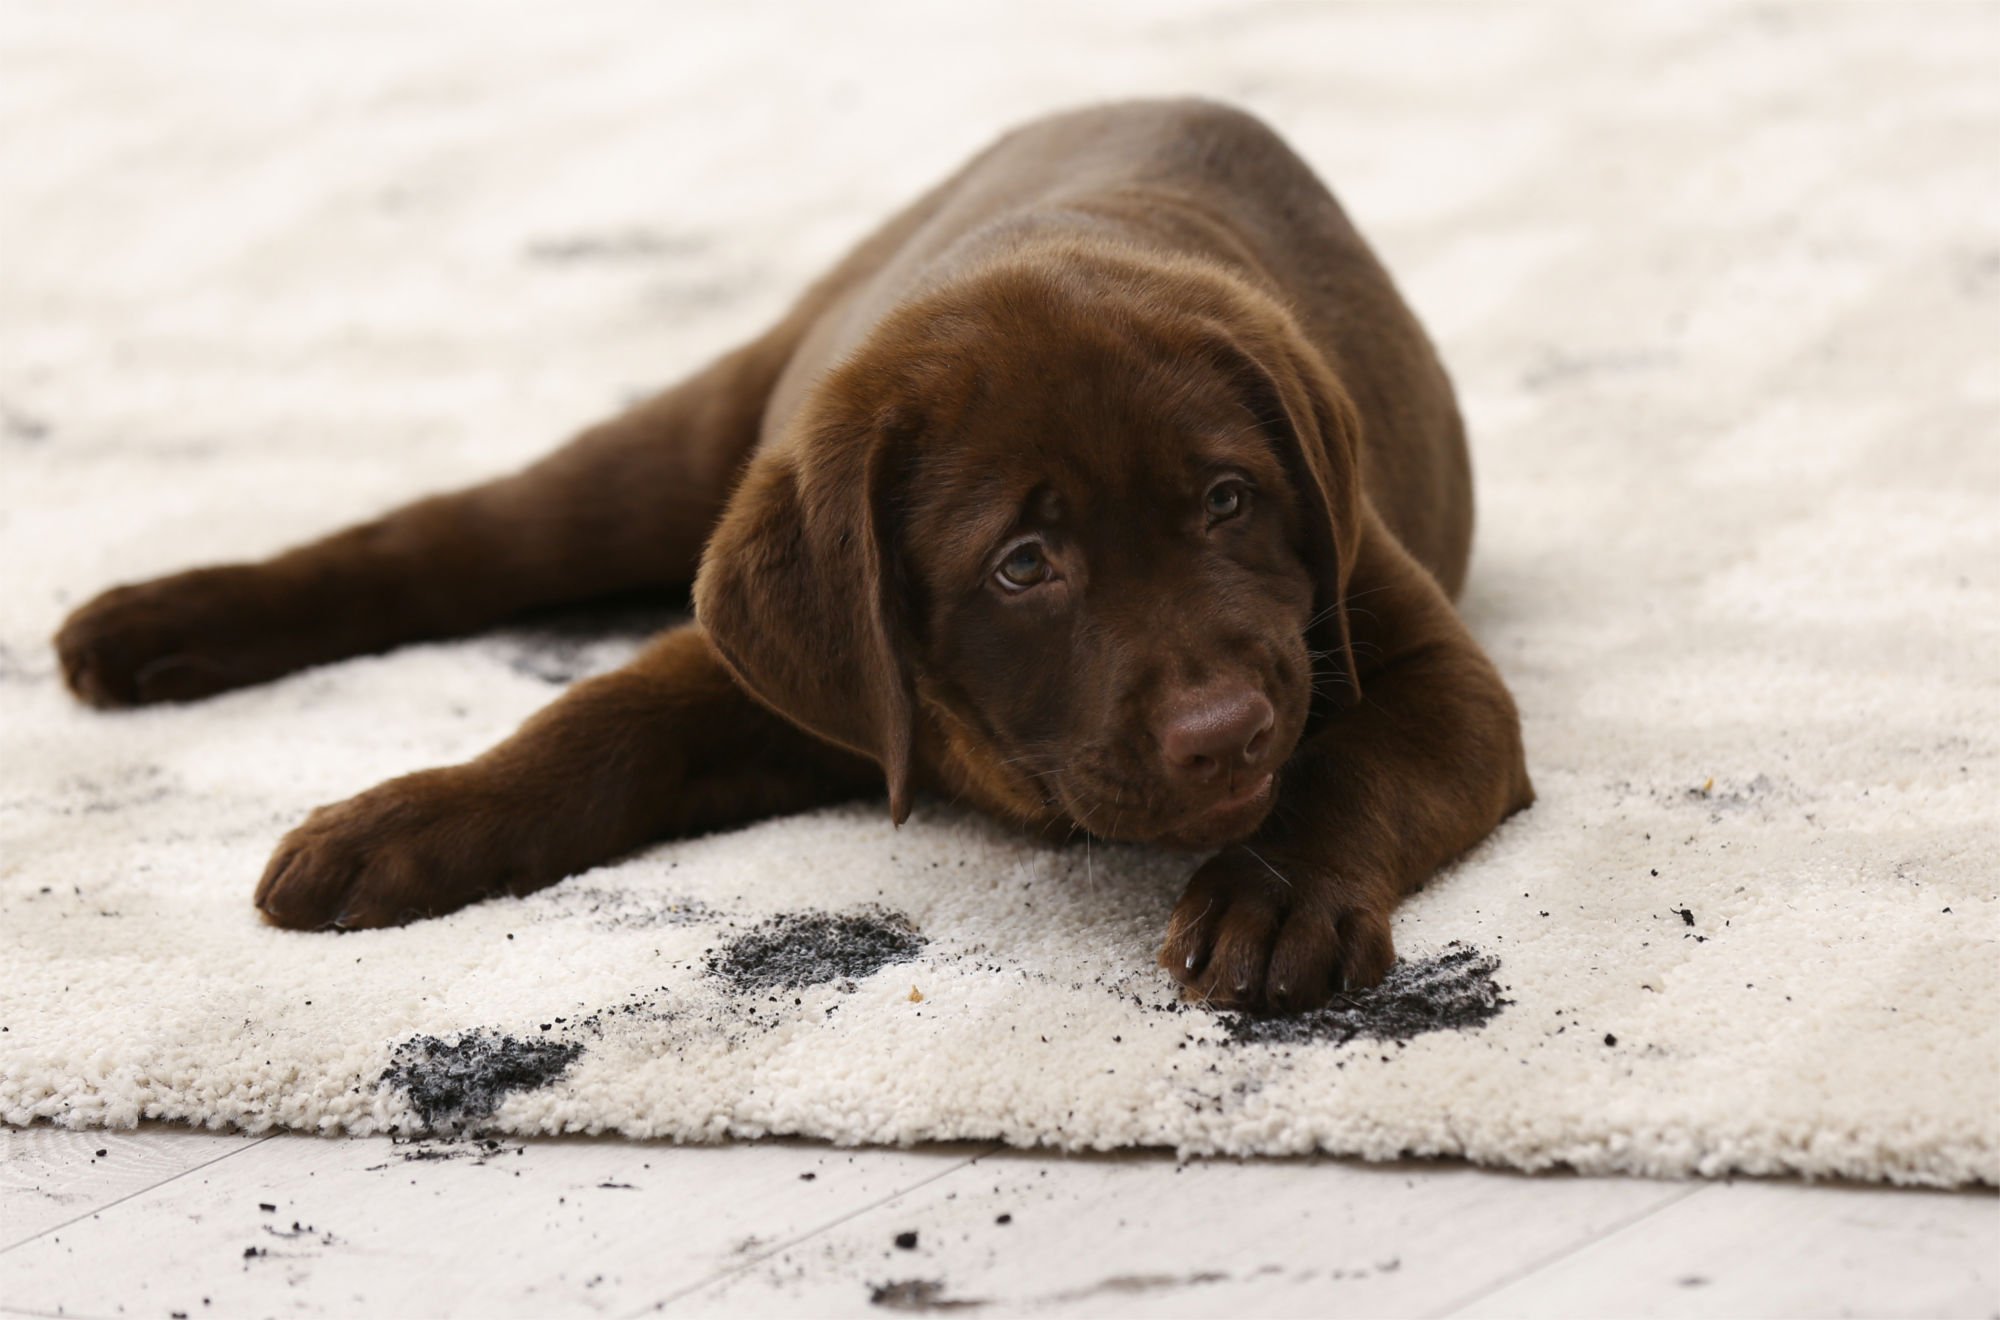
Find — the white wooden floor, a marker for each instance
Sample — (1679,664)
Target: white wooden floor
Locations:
(165,1222)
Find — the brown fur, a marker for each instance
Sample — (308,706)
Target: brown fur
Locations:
(1109,486)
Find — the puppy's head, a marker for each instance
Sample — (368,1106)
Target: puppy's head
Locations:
(1083,525)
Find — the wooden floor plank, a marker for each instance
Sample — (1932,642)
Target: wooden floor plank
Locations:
(304,1226)
(1028,1233)
(50,1176)
(1779,1249)
(169,1220)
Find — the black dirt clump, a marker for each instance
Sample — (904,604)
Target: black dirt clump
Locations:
(452,1083)
(797,949)
(1453,991)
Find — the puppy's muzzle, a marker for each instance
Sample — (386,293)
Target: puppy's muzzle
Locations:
(1215,742)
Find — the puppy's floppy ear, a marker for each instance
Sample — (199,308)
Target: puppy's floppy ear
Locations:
(800,593)
(1308,413)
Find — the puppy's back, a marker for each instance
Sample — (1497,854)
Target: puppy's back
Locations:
(1207,180)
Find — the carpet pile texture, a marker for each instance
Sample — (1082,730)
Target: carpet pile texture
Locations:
(1721,291)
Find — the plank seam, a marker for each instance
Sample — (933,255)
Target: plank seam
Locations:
(140,1191)
(733,1271)
(1556,1257)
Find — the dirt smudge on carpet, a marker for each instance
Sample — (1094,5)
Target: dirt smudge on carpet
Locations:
(795,949)
(454,1082)
(1450,991)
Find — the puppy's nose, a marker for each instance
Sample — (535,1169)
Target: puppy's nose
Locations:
(1215,733)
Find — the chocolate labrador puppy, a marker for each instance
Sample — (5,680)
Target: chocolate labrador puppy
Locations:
(1109,486)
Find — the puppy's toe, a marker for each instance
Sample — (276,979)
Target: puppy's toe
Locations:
(306,883)
(1237,966)
(1305,964)
(102,647)
(1192,930)
(1367,950)
(1220,937)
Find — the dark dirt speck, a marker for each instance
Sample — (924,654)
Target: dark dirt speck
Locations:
(1452,991)
(797,949)
(451,1083)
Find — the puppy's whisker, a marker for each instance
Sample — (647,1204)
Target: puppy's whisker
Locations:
(1267,866)
(1322,616)
(1201,917)
(1346,602)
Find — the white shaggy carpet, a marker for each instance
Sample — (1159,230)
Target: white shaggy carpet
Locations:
(1721,288)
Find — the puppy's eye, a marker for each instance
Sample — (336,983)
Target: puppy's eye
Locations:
(1225,499)
(1026,565)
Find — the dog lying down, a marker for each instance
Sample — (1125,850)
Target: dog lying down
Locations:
(1110,486)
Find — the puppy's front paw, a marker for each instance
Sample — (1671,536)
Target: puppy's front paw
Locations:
(414,847)
(172,639)
(1264,935)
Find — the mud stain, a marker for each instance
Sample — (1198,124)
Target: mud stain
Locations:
(1452,991)
(797,949)
(453,1083)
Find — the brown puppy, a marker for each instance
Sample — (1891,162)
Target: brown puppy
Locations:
(1111,485)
